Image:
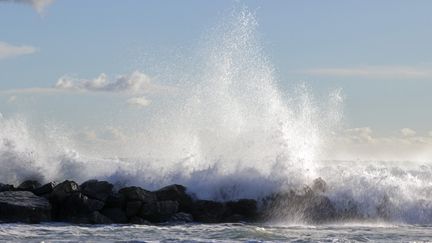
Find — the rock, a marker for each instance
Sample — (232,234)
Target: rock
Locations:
(45,189)
(306,206)
(115,200)
(133,208)
(6,187)
(245,207)
(23,206)
(29,185)
(134,193)
(149,211)
(63,190)
(117,215)
(95,189)
(319,185)
(98,218)
(166,209)
(181,218)
(77,204)
(208,211)
(138,220)
(176,193)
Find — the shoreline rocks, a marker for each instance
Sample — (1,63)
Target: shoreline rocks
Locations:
(96,202)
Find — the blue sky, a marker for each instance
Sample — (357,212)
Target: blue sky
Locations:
(377,52)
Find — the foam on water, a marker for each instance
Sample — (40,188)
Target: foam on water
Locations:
(228,133)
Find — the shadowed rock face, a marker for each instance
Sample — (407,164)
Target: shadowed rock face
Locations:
(95,189)
(23,206)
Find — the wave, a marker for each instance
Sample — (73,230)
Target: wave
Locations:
(230,132)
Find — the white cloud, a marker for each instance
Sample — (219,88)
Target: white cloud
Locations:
(8,50)
(12,99)
(407,132)
(38,5)
(139,101)
(380,72)
(136,82)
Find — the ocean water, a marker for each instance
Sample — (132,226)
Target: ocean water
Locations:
(373,232)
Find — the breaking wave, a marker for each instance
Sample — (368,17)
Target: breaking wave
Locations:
(229,132)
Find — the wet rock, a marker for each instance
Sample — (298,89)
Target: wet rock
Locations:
(6,187)
(45,189)
(77,204)
(98,218)
(134,193)
(29,185)
(304,206)
(176,193)
(23,206)
(245,207)
(167,208)
(117,215)
(208,211)
(133,208)
(95,189)
(138,220)
(181,218)
(63,190)
(115,200)
(319,185)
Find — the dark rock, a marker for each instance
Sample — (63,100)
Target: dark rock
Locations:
(45,189)
(63,190)
(133,208)
(23,206)
(77,204)
(98,218)
(176,193)
(319,185)
(246,207)
(138,220)
(150,211)
(117,215)
(208,211)
(29,185)
(6,187)
(95,189)
(134,193)
(181,218)
(167,208)
(235,218)
(306,206)
(115,200)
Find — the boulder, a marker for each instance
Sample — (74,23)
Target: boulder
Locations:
(319,185)
(6,187)
(95,189)
(166,209)
(115,200)
(98,218)
(181,218)
(117,215)
(245,207)
(63,190)
(176,193)
(134,193)
(138,220)
(45,189)
(29,185)
(208,211)
(77,205)
(23,206)
(133,208)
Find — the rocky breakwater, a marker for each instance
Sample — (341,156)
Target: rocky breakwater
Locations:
(96,202)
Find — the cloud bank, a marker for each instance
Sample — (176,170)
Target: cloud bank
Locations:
(379,72)
(38,5)
(9,50)
(138,101)
(136,82)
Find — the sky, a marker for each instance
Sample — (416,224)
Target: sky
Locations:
(377,52)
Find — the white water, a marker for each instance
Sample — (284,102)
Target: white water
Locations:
(229,132)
